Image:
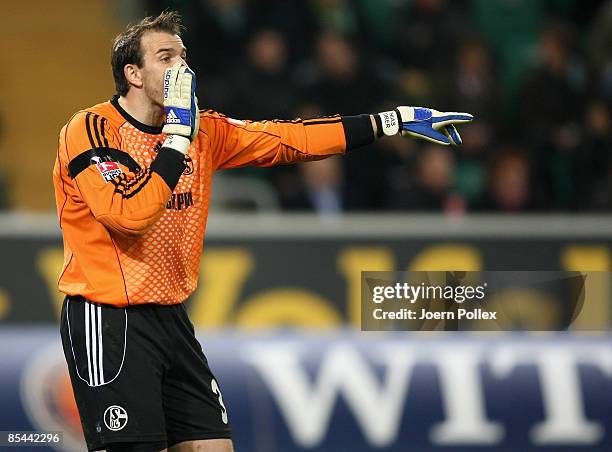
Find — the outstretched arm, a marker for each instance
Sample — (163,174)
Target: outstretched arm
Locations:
(237,143)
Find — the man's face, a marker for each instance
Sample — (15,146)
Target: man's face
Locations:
(161,51)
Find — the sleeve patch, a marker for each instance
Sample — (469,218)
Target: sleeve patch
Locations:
(108,170)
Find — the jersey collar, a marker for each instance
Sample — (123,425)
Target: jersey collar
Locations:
(139,125)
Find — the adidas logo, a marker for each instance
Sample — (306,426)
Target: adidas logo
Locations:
(172,118)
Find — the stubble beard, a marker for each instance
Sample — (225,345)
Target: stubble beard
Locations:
(156,97)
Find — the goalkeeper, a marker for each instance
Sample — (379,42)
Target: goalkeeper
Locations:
(132,182)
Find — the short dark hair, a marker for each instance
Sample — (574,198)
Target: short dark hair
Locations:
(127,47)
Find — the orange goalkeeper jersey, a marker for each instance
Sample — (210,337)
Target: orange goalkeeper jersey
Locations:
(133,215)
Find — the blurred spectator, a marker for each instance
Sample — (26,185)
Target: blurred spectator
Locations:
(552,106)
(473,82)
(601,50)
(323,181)
(261,84)
(472,87)
(341,82)
(430,30)
(294,20)
(550,99)
(430,187)
(594,167)
(509,182)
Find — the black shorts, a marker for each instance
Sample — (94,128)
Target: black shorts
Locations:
(139,375)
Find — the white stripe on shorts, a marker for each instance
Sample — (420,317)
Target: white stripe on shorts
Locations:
(87,322)
(94,343)
(100,354)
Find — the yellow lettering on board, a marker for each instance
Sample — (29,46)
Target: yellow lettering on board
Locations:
(5,304)
(223,274)
(351,262)
(595,313)
(50,262)
(447,257)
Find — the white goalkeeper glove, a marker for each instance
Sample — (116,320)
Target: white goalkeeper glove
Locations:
(181,107)
(425,123)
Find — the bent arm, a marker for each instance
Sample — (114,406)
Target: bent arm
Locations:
(123,197)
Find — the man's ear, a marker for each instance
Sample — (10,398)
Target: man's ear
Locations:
(133,75)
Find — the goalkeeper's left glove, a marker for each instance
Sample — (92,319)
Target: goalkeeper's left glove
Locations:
(425,123)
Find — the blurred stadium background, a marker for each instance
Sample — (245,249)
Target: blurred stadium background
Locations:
(277,309)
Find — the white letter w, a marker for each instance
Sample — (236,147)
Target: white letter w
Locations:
(307,406)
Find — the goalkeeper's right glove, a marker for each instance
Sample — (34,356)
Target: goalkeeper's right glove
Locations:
(181,107)
(425,123)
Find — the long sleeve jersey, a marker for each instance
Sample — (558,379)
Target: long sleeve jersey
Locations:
(133,214)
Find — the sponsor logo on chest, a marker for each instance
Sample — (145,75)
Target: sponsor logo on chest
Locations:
(180,201)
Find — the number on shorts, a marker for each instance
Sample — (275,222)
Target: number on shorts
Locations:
(217,391)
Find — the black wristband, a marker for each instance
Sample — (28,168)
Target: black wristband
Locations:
(169,164)
(358,131)
(379,126)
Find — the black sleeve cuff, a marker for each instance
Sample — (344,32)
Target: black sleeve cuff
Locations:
(358,131)
(379,127)
(169,164)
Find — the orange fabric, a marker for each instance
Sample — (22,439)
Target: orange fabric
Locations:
(127,238)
